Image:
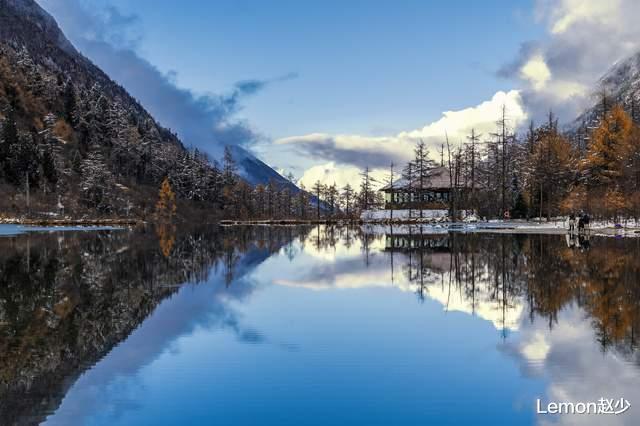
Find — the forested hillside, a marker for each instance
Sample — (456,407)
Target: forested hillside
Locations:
(69,133)
(74,141)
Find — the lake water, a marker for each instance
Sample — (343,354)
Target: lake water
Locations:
(314,326)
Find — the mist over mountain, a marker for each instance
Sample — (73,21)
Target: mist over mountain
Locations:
(619,85)
(70,131)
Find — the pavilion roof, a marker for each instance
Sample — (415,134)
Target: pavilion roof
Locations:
(437,178)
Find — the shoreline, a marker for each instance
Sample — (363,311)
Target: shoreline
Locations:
(504,227)
(71,222)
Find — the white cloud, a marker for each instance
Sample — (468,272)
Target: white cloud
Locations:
(576,369)
(330,173)
(347,154)
(564,14)
(585,38)
(536,71)
(482,118)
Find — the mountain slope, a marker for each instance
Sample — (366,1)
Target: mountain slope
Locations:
(72,135)
(256,172)
(621,85)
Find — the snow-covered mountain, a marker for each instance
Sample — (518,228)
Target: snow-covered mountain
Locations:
(621,84)
(68,105)
(255,171)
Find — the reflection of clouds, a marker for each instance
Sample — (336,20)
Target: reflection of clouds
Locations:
(329,252)
(577,369)
(193,306)
(452,299)
(537,349)
(320,269)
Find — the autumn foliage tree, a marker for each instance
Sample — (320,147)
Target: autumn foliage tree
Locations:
(166,206)
(549,170)
(605,168)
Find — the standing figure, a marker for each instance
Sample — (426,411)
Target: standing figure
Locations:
(585,221)
(580,222)
(572,222)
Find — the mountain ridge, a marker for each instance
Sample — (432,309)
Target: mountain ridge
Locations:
(620,84)
(81,137)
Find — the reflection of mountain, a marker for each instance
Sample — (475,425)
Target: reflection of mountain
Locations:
(66,300)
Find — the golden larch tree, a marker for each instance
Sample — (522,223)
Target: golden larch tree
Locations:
(166,206)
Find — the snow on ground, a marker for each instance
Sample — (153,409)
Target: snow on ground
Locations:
(377,222)
(381,215)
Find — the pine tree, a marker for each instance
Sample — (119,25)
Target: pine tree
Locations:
(49,169)
(22,162)
(332,198)
(229,167)
(347,199)
(8,140)
(69,99)
(97,183)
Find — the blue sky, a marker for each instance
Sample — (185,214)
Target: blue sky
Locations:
(323,89)
(370,67)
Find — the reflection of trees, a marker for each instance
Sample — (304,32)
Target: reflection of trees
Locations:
(538,270)
(503,272)
(543,273)
(67,299)
(166,232)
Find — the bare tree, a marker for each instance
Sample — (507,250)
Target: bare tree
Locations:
(408,174)
(366,198)
(422,164)
(390,182)
(474,140)
(318,189)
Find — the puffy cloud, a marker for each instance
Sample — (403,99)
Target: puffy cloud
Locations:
(585,38)
(574,365)
(536,71)
(330,173)
(347,153)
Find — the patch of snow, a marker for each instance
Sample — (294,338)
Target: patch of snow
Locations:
(374,215)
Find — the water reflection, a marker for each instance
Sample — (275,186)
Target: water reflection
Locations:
(67,299)
(87,316)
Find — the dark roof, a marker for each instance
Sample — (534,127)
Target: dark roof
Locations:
(437,178)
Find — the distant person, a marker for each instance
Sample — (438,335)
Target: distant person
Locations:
(581,222)
(572,222)
(585,221)
(507,215)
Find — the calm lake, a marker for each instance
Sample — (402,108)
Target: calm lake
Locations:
(314,326)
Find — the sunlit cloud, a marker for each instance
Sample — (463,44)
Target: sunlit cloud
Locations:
(584,39)
(346,154)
